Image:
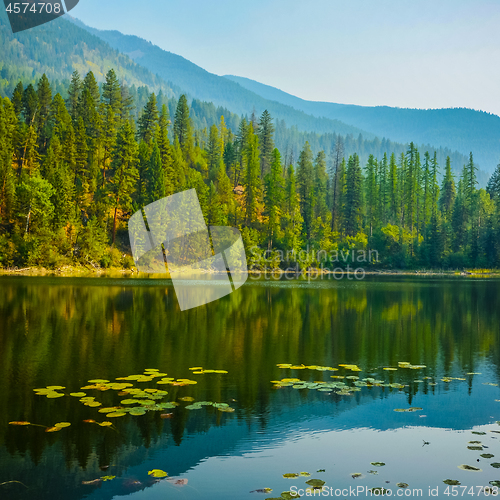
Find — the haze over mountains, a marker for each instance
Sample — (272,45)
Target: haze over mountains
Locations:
(458,129)
(60,47)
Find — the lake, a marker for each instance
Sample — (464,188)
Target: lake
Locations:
(427,347)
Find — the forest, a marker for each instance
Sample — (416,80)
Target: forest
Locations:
(74,169)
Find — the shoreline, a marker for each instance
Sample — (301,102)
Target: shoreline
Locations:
(81,271)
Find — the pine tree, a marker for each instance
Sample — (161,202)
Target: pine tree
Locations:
(371,192)
(156,176)
(273,198)
(292,219)
(305,187)
(125,156)
(112,94)
(394,191)
(252,178)
(182,126)
(74,90)
(266,142)
(447,191)
(320,187)
(354,196)
(149,122)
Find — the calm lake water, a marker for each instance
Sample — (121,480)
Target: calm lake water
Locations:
(67,331)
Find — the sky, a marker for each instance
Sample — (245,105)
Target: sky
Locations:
(416,54)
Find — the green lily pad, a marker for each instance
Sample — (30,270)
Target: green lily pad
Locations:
(77,394)
(487,455)
(469,467)
(495,483)
(287,495)
(305,474)
(315,483)
(290,475)
(128,402)
(402,485)
(320,470)
(53,395)
(475,448)
(55,387)
(374,472)
(496,465)
(107,478)
(194,407)
(98,381)
(479,433)
(377,464)
(355,475)
(451,482)
(378,491)
(157,473)
(116,414)
(62,424)
(137,411)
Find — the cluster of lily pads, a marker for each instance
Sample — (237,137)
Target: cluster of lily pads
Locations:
(136,400)
(345,385)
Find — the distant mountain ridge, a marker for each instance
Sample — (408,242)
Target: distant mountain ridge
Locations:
(459,129)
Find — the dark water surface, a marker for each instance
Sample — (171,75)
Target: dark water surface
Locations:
(67,331)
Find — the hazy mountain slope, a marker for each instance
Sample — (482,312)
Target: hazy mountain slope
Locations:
(459,129)
(201,84)
(57,49)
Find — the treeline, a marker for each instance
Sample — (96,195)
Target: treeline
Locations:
(73,170)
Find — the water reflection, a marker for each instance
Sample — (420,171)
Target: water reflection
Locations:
(67,331)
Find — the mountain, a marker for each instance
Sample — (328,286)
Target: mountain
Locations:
(60,47)
(57,49)
(458,129)
(205,86)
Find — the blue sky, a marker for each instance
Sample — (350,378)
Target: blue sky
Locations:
(423,54)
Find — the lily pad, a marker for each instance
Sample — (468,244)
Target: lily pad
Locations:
(56,387)
(305,474)
(105,424)
(487,455)
(402,485)
(62,424)
(157,473)
(355,475)
(287,495)
(451,482)
(19,423)
(479,433)
(53,395)
(496,465)
(107,478)
(377,464)
(98,381)
(378,491)
(495,483)
(137,411)
(475,448)
(53,429)
(290,475)
(116,414)
(469,467)
(315,483)
(77,394)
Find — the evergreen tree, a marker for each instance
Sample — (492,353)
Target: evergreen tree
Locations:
(266,142)
(273,198)
(149,121)
(305,187)
(354,196)
(125,156)
(156,177)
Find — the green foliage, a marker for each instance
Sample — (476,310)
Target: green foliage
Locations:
(71,174)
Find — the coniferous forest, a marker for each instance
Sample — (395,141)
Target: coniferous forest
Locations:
(73,170)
